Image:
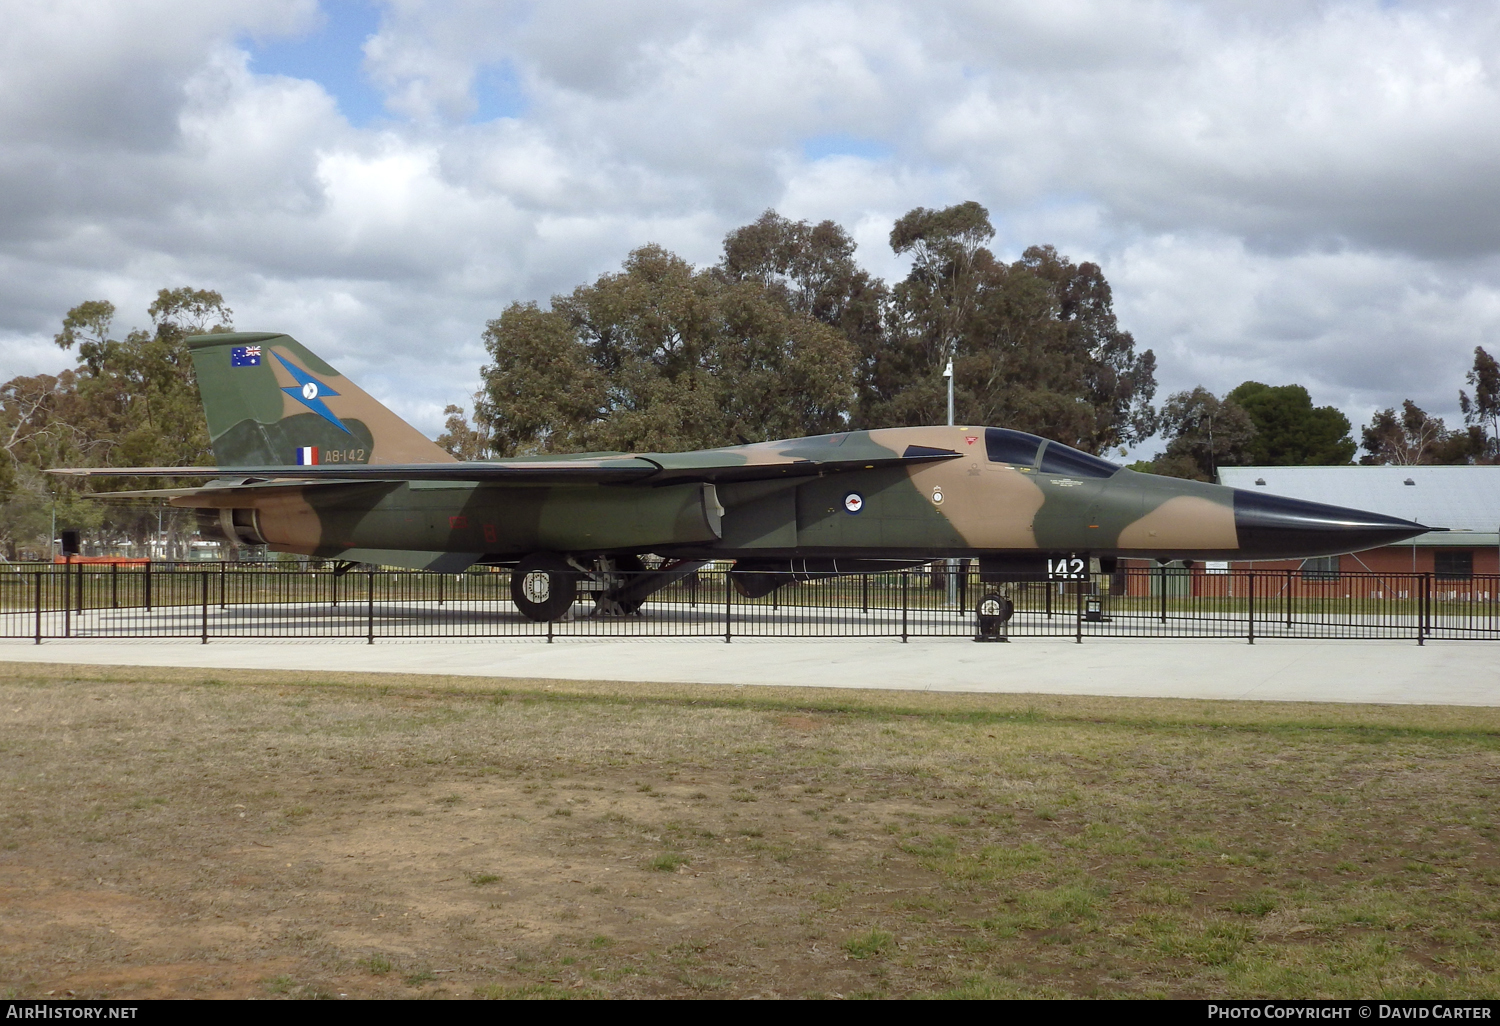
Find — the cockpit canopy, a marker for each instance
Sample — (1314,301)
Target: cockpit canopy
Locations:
(1022,451)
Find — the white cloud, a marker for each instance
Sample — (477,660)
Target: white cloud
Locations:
(1282,191)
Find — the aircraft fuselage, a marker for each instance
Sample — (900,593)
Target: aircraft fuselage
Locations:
(964,505)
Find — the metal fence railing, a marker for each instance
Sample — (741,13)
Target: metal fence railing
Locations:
(287,600)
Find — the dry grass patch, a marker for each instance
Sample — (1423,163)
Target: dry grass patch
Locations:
(168,832)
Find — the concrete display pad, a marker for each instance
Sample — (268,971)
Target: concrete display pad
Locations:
(1384,672)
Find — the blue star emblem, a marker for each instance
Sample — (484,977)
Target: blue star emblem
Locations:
(309,391)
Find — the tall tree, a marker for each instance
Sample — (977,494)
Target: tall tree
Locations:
(1482,411)
(1204,433)
(1289,430)
(929,311)
(1035,344)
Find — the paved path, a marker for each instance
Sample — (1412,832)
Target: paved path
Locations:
(1441,673)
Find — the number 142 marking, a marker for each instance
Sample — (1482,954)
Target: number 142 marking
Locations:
(1068,568)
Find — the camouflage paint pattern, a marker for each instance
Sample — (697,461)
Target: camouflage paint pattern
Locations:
(959,506)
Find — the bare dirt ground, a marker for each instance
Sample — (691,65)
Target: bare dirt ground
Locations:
(250,834)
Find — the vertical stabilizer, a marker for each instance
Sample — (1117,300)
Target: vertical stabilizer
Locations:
(271,402)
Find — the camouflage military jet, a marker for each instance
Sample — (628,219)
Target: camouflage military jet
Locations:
(309,463)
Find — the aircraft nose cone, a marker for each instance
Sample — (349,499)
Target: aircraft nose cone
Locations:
(1276,527)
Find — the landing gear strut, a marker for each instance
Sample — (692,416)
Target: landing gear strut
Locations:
(616,575)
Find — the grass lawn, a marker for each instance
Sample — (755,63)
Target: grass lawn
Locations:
(303,835)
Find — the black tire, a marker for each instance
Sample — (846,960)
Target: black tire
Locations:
(544,587)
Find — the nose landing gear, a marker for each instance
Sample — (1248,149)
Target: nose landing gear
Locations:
(994,611)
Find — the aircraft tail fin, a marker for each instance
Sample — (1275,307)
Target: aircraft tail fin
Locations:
(271,402)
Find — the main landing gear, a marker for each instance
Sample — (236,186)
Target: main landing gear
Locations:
(545,585)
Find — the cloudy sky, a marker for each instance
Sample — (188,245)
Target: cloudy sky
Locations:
(1291,192)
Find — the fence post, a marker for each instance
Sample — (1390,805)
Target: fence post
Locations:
(1162,572)
(38,607)
(1078,616)
(370,606)
(148,586)
(1252,606)
(80,589)
(864,593)
(203,596)
(114,585)
(223,585)
(1422,609)
(905,588)
(67,601)
(728,601)
(441,581)
(1289,601)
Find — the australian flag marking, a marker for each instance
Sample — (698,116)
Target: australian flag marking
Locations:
(244,356)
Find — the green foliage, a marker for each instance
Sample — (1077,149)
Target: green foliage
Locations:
(127,402)
(811,269)
(1289,431)
(1414,437)
(1203,433)
(869,944)
(787,336)
(1482,410)
(1035,344)
(378,964)
(464,440)
(662,357)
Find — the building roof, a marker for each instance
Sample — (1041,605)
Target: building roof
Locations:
(1466,500)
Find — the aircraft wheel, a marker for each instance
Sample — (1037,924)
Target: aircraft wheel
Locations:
(544,587)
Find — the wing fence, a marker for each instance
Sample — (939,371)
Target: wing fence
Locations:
(220,601)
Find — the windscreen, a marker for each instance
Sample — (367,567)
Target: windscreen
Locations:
(1014,447)
(1059,459)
